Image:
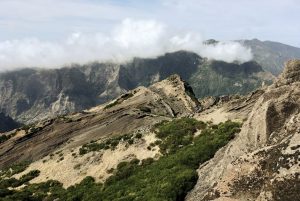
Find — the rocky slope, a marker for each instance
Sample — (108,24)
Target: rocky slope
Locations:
(115,143)
(29,95)
(137,109)
(262,162)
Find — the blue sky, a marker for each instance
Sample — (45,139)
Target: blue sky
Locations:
(221,19)
(52,33)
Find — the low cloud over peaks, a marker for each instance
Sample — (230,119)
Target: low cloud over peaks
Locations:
(131,38)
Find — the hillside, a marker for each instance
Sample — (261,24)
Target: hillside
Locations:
(141,107)
(262,162)
(29,95)
(272,55)
(149,142)
(161,143)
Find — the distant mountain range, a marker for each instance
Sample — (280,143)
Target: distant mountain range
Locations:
(160,143)
(271,55)
(28,95)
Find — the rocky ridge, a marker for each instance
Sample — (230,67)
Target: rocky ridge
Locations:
(54,146)
(262,162)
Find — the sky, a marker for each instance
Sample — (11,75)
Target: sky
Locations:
(52,33)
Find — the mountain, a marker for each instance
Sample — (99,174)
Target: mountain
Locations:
(29,95)
(137,109)
(271,55)
(161,143)
(262,162)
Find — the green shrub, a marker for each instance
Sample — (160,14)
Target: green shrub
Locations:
(13,182)
(177,133)
(111,143)
(147,161)
(139,135)
(130,141)
(4,138)
(29,176)
(169,178)
(111,104)
(173,175)
(15,168)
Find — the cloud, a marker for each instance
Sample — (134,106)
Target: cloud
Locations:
(275,20)
(131,38)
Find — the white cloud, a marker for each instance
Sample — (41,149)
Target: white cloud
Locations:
(275,20)
(131,38)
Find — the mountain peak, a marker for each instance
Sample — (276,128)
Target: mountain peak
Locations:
(174,85)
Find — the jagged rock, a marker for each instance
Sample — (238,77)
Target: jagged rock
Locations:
(208,102)
(291,73)
(262,162)
(138,108)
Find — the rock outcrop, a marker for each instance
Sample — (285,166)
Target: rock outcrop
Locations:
(262,162)
(138,108)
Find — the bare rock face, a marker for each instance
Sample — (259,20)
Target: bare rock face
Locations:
(208,102)
(291,73)
(177,94)
(133,110)
(263,162)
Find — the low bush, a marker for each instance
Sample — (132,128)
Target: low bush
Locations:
(169,178)
(177,133)
(4,138)
(111,143)
(14,169)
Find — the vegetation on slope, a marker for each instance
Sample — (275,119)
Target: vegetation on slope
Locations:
(169,178)
(111,143)
(4,137)
(177,133)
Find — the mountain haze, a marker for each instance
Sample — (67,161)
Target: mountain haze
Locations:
(28,95)
(271,55)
